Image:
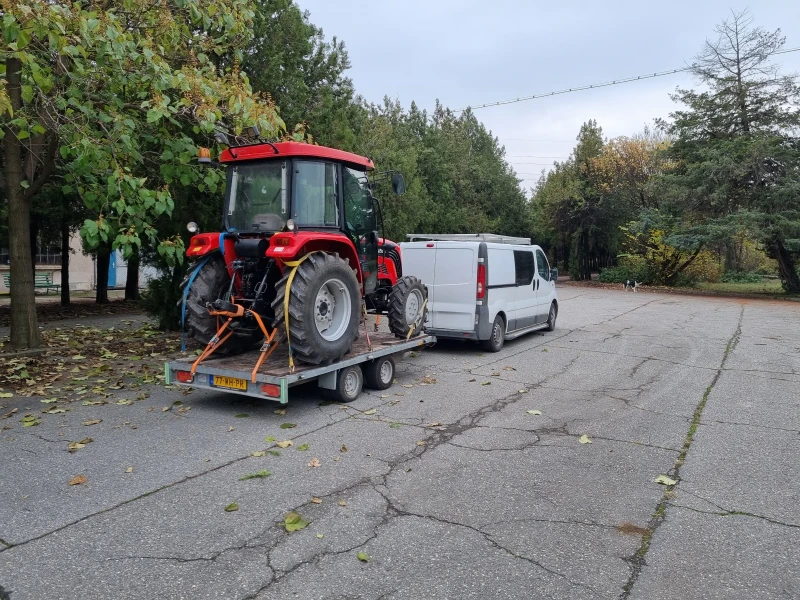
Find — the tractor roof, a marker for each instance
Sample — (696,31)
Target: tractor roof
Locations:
(293,149)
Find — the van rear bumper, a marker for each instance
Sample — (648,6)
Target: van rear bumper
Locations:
(482,331)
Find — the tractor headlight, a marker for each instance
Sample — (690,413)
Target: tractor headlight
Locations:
(192,227)
(290,226)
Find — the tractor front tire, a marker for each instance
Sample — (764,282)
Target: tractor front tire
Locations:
(324,308)
(406,310)
(210,283)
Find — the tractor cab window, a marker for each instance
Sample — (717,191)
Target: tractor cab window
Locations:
(358,208)
(257,197)
(361,223)
(315,190)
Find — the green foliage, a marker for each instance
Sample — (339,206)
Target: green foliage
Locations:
(740,277)
(161,298)
(127,90)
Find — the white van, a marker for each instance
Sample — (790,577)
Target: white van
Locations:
(484,287)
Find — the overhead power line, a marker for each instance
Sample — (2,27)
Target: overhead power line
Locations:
(592,86)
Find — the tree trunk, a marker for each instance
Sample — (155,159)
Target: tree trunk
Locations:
(24,323)
(786,268)
(132,280)
(64,259)
(34,234)
(103,259)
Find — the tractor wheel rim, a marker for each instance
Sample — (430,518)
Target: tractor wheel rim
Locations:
(413,304)
(350,384)
(332,309)
(386,372)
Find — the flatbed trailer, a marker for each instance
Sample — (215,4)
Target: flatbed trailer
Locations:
(371,365)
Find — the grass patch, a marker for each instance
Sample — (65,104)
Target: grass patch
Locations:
(767,286)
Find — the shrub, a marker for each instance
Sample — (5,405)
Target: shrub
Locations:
(160,299)
(632,268)
(740,277)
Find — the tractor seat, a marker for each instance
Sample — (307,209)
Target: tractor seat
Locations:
(266,222)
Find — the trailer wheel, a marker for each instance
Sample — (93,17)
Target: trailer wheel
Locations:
(324,308)
(379,373)
(210,283)
(349,382)
(406,310)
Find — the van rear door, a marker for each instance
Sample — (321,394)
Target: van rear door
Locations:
(419,259)
(455,277)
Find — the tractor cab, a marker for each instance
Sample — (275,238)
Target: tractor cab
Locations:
(294,189)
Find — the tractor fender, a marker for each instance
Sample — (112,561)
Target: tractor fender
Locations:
(289,246)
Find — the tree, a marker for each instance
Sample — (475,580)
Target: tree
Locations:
(115,95)
(736,144)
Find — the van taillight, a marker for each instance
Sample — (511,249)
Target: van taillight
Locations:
(480,291)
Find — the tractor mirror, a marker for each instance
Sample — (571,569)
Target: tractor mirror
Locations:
(398,184)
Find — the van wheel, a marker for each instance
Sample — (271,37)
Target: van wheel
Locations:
(551,318)
(349,383)
(379,374)
(498,338)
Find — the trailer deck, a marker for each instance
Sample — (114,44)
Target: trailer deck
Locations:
(274,378)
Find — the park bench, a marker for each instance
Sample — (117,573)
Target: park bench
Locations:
(41,281)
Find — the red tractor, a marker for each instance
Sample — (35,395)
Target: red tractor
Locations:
(301,231)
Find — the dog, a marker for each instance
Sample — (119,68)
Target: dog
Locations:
(630,285)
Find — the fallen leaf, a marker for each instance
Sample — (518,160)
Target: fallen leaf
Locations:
(258,475)
(270,438)
(434,424)
(316,500)
(78,480)
(343,448)
(166,408)
(55,411)
(664,480)
(421,443)
(320,536)
(363,556)
(584,439)
(48,400)
(302,447)
(407,385)
(371,411)
(495,374)
(125,402)
(396,425)
(545,350)
(230,429)
(486,383)
(533,412)
(428,380)
(233,506)
(28,420)
(275,452)
(78,357)
(288,425)
(473,380)
(93,422)
(129,470)
(294,522)
(94,402)
(242,416)
(258,453)
(381,396)
(284,444)
(280,411)
(342,502)
(6,395)
(314,462)
(509,369)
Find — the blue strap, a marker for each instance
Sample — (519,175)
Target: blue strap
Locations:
(185,294)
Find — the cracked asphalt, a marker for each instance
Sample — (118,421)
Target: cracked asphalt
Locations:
(451,486)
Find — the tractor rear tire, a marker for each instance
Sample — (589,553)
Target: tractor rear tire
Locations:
(324,309)
(405,303)
(211,283)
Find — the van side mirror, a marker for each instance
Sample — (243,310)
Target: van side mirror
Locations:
(553,274)
(398,184)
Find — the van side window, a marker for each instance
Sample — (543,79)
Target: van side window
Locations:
(523,264)
(543,265)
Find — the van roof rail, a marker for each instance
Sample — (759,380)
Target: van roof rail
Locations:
(470,237)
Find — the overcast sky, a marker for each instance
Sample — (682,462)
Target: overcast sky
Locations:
(466,52)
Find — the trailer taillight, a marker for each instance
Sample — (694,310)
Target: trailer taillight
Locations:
(271,390)
(480,291)
(184,376)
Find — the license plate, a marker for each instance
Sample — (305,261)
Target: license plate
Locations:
(232,383)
